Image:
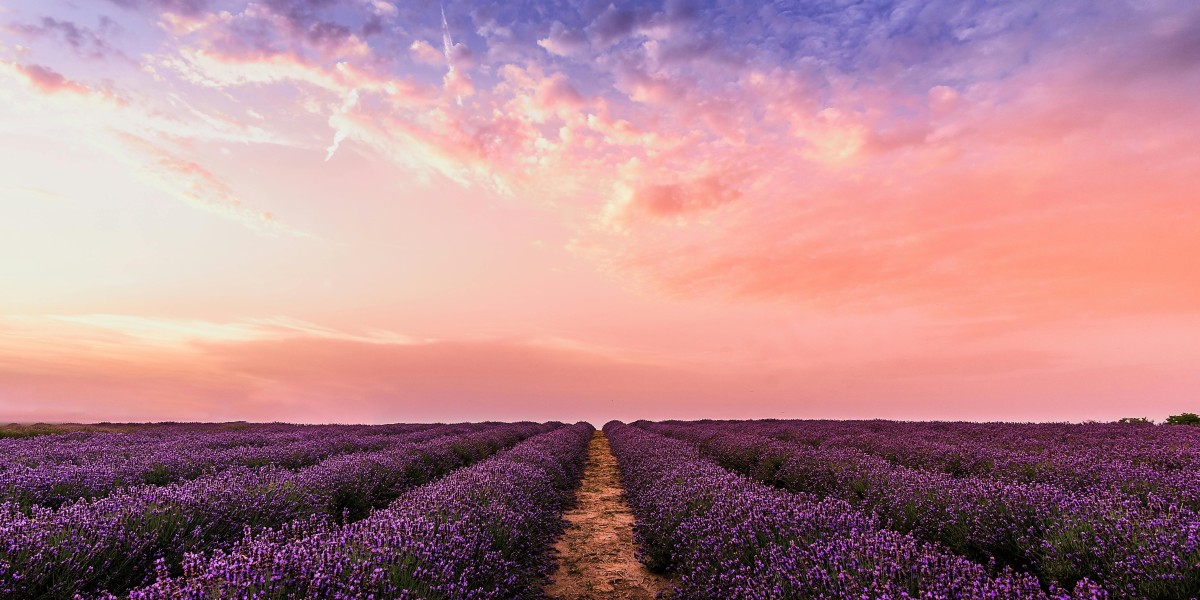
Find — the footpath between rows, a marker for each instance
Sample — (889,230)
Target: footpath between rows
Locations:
(597,558)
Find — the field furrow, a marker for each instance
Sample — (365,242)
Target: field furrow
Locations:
(597,557)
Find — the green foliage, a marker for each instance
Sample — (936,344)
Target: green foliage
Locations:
(158,475)
(1135,421)
(18,430)
(1184,419)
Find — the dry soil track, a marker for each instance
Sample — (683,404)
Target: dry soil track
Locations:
(596,555)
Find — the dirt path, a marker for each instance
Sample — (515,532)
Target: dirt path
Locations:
(596,555)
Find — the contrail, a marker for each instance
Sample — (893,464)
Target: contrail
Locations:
(447,43)
(341,132)
(447,47)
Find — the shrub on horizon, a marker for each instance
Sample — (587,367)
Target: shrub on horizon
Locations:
(1184,419)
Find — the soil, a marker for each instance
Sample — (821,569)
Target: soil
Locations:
(596,555)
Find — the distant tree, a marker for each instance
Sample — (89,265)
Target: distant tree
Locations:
(1135,420)
(1184,419)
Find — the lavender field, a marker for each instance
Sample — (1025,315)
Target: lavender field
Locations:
(720,509)
(876,509)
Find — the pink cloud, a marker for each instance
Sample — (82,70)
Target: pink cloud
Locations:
(194,184)
(556,92)
(49,81)
(423,52)
(664,200)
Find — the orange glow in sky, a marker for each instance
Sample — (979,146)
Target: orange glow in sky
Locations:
(354,211)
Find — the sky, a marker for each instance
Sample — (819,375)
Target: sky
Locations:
(373,211)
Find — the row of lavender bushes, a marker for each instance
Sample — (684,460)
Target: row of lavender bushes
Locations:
(55,469)
(1133,548)
(726,536)
(1144,461)
(114,543)
(483,532)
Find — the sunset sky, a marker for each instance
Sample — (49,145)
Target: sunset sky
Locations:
(366,211)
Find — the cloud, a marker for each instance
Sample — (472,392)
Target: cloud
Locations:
(341,134)
(71,112)
(182,334)
(555,92)
(921,186)
(47,80)
(980,239)
(887,153)
(563,41)
(184,7)
(276,27)
(424,53)
(83,41)
(613,25)
(195,185)
(383,9)
(456,82)
(665,200)
(673,199)
(319,28)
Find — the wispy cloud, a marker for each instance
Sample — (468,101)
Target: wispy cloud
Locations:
(84,41)
(111,120)
(197,186)
(48,81)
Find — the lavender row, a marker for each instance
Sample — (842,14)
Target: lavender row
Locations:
(1158,447)
(52,473)
(80,446)
(1132,549)
(1147,462)
(483,532)
(114,542)
(1144,461)
(726,536)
